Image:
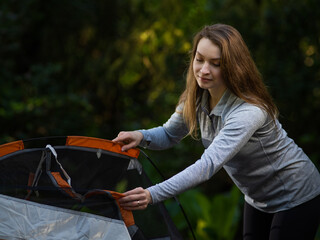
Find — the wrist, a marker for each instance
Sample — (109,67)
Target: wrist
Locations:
(149,198)
(145,140)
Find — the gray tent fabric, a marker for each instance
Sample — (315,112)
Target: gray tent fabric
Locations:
(22,219)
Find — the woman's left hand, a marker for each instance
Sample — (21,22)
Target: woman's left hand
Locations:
(136,199)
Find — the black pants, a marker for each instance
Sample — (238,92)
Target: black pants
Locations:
(298,223)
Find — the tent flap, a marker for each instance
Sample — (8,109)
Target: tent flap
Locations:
(11,147)
(103,144)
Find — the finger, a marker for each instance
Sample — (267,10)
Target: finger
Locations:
(129,198)
(119,138)
(135,205)
(137,190)
(126,147)
(135,199)
(132,195)
(115,139)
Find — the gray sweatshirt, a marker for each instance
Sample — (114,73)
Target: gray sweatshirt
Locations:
(271,171)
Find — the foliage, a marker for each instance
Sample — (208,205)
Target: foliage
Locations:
(214,217)
(94,67)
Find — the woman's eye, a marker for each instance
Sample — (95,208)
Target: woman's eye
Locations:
(216,64)
(198,59)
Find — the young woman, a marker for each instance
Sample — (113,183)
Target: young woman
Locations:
(227,100)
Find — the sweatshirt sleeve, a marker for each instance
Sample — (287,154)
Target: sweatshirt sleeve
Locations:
(238,129)
(166,136)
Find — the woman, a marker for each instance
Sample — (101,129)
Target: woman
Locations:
(226,99)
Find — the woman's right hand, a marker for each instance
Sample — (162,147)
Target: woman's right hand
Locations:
(129,139)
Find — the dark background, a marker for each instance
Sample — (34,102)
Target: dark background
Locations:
(96,67)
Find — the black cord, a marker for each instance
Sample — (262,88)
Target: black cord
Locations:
(175,198)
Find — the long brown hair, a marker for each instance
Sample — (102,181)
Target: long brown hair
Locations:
(238,70)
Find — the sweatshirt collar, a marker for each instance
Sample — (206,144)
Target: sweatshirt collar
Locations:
(226,100)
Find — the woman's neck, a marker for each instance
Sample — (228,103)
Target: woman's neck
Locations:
(215,97)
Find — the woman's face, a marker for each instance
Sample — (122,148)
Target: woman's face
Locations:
(206,66)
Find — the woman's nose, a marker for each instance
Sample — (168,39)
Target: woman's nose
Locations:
(204,69)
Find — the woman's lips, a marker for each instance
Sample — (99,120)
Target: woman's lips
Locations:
(205,79)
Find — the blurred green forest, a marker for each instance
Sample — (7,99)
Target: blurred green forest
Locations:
(96,67)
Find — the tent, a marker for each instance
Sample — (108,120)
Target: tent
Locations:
(68,187)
